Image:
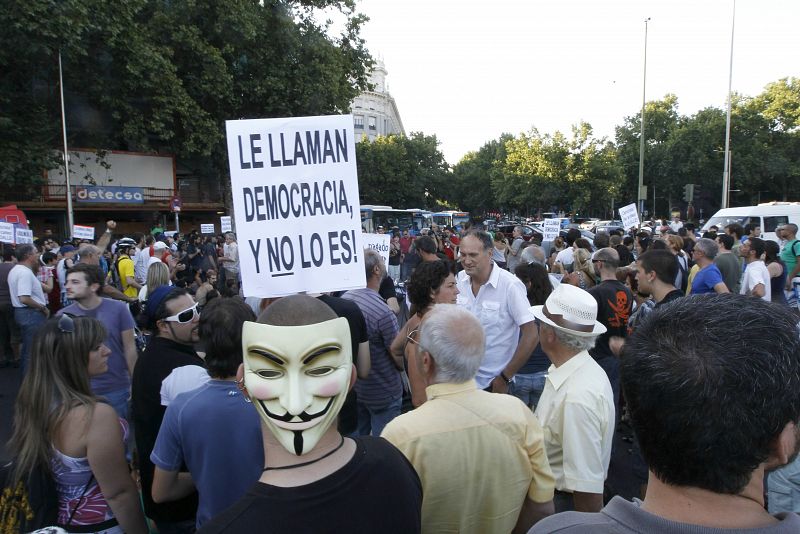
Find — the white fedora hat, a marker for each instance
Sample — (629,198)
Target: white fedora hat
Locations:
(572,310)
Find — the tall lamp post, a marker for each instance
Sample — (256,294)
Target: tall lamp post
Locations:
(726,170)
(641,197)
(70,217)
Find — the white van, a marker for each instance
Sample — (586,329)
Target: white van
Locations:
(768,216)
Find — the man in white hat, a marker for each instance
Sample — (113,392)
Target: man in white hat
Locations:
(576,409)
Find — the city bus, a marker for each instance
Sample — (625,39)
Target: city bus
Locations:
(374,216)
(421,219)
(450,218)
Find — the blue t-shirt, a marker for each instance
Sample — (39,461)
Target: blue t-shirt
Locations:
(217,435)
(116,317)
(705,280)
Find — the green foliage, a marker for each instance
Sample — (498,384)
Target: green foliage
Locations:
(156,75)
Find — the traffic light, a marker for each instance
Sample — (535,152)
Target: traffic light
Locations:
(688,192)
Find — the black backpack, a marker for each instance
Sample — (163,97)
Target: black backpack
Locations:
(30,503)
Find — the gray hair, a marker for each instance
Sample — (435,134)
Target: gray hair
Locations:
(483,237)
(89,250)
(518,229)
(372,259)
(532,254)
(573,341)
(454,338)
(708,246)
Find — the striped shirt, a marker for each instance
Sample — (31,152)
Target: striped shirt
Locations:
(383,384)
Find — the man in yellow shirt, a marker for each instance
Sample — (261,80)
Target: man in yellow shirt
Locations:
(480,456)
(125,267)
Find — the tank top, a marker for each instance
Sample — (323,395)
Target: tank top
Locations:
(777,284)
(74,475)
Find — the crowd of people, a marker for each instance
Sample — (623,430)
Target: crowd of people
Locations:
(483,397)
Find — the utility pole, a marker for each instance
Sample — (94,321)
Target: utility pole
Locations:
(726,171)
(641,136)
(70,216)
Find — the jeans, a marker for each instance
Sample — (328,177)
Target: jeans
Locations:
(371,419)
(610,365)
(29,321)
(9,333)
(528,388)
(783,488)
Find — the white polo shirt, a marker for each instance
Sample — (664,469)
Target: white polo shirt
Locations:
(22,282)
(756,273)
(502,307)
(576,411)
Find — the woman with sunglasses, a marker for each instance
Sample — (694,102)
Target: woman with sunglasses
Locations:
(60,426)
(432,283)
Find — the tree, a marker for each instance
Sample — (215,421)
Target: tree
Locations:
(471,188)
(164,76)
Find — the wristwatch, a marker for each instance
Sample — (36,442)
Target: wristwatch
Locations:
(504,377)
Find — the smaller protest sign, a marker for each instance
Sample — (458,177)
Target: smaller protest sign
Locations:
(551,229)
(207,228)
(83,232)
(225,224)
(378,242)
(24,236)
(6,232)
(629,216)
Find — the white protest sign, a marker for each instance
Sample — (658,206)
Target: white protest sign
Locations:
(379,242)
(295,199)
(629,216)
(551,228)
(225,224)
(6,232)
(24,236)
(207,228)
(83,232)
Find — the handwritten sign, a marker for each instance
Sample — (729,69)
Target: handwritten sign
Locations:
(295,197)
(225,224)
(378,242)
(24,236)
(207,228)
(6,232)
(629,216)
(551,228)
(83,232)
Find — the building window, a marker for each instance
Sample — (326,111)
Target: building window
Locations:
(372,123)
(358,121)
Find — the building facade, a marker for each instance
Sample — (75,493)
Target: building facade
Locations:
(375,112)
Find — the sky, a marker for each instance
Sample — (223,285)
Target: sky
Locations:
(469,71)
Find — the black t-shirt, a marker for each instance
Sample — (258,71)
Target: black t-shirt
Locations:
(614,303)
(675,294)
(386,290)
(348,415)
(378,491)
(160,358)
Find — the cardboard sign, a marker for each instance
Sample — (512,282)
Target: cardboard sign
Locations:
(629,216)
(83,232)
(6,232)
(551,228)
(207,228)
(225,224)
(24,236)
(295,198)
(379,242)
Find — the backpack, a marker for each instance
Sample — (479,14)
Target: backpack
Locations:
(30,504)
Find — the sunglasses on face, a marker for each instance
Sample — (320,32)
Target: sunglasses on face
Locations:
(186,316)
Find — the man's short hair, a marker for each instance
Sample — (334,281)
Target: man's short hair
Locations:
(89,250)
(708,397)
(23,252)
(483,237)
(726,241)
(220,332)
(425,244)
(372,259)
(454,338)
(92,273)
(532,254)
(601,240)
(297,310)
(662,262)
(735,229)
(573,234)
(708,246)
(791,227)
(608,256)
(757,246)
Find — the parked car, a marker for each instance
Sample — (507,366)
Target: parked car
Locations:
(528,231)
(609,226)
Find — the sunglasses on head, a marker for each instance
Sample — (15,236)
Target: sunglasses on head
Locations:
(186,316)
(65,323)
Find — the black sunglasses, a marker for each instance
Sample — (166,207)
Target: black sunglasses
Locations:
(66,324)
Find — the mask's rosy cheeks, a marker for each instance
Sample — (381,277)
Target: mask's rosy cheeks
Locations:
(330,388)
(260,390)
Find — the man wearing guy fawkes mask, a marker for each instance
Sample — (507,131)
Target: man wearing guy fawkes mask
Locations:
(297,371)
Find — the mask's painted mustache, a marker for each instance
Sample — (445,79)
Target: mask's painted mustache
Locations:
(304,417)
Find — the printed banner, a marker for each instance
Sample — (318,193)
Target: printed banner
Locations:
(83,232)
(105,195)
(629,216)
(24,236)
(225,224)
(207,228)
(295,197)
(6,232)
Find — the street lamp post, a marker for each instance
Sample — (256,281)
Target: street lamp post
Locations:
(726,170)
(70,217)
(641,135)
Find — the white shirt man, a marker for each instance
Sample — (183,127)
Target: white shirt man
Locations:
(516,249)
(499,300)
(141,262)
(675,224)
(756,280)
